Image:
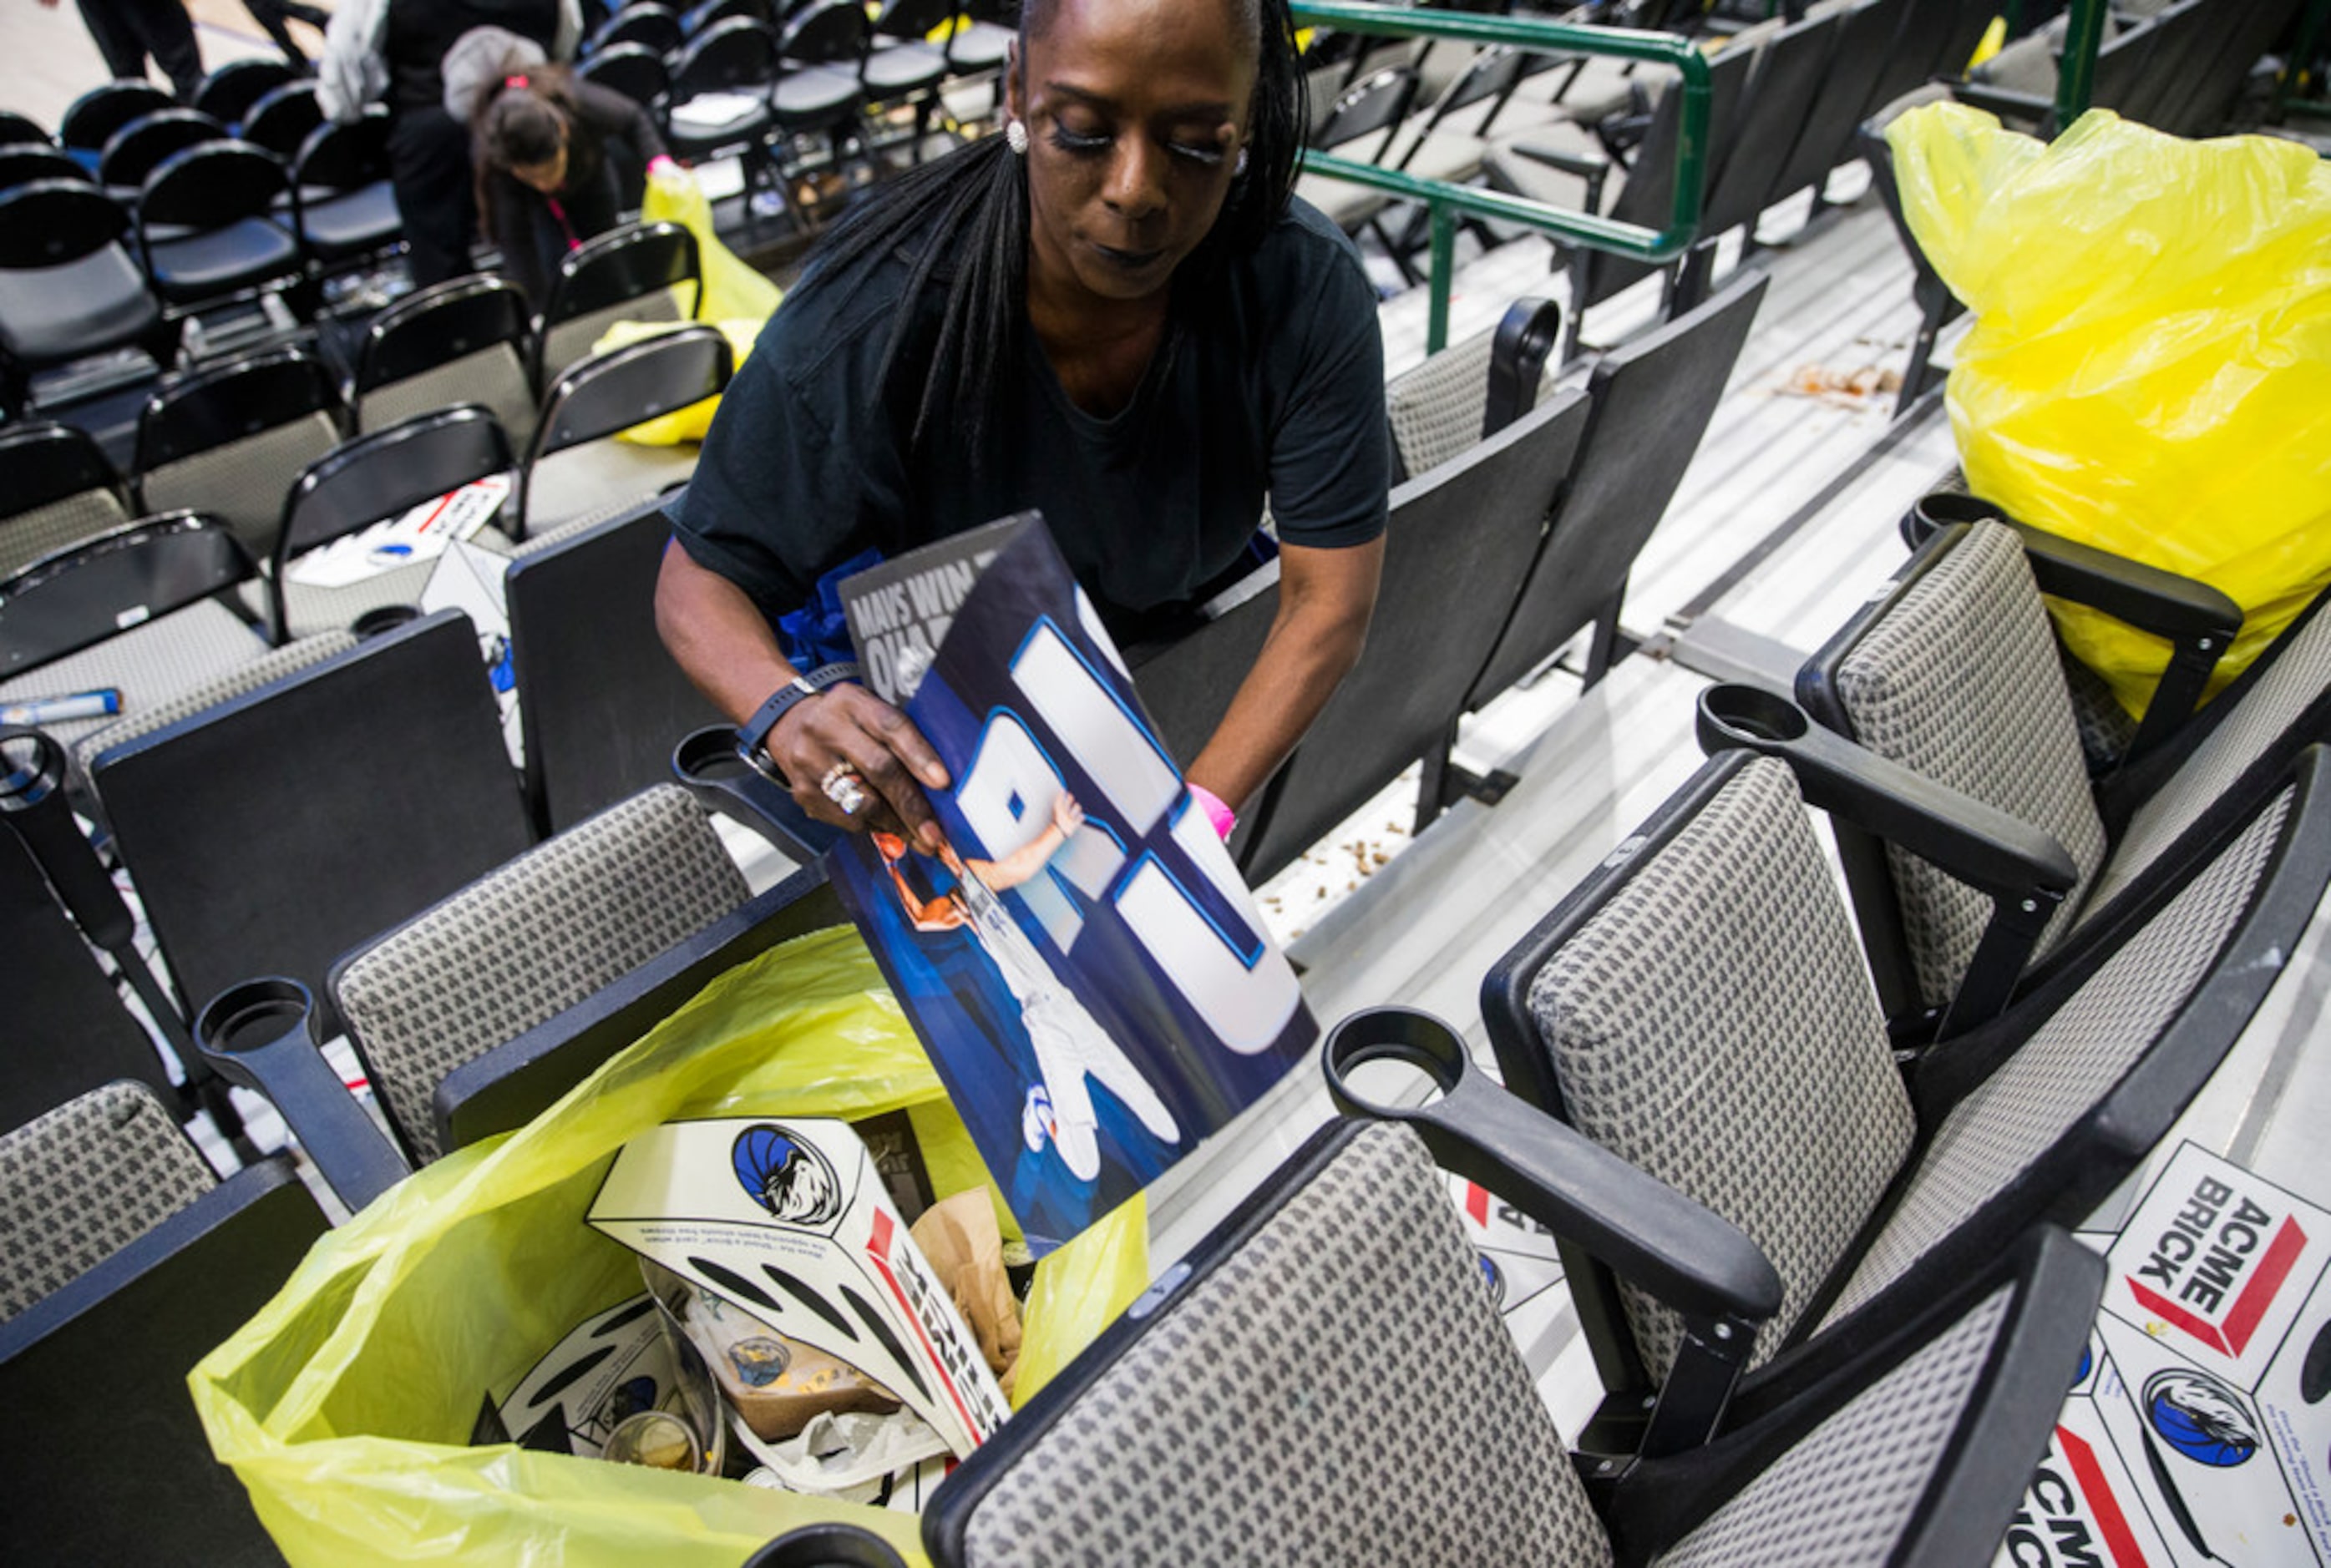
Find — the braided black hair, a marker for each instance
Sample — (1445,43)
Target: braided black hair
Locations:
(972,205)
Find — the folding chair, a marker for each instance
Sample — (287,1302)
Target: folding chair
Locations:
(57,489)
(719,98)
(817,90)
(206,231)
(634,70)
(1866,34)
(343,207)
(146,610)
(228,92)
(229,439)
(1697,1008)
(1954,672)
(367,479)
(698,17)
(1790,70)
(595,475)
(464,340)
(602,700)
(479,1011)
(127,1262)
(626,274)
(22,163)
(90,119)
(68,286)
(1361,126)
(1457,536)
(1649,405)
(1324,1380)
(651,26)
(268,834)
(17,130)
(1472,390)
(283,118)
(137,148)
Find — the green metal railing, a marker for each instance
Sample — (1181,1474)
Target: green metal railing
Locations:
(1444,200)
(2076,72)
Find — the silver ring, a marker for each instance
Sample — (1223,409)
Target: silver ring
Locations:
(842,786)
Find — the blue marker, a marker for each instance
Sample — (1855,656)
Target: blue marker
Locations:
(99,704)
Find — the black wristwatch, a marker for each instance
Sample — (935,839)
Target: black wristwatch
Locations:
(756,729)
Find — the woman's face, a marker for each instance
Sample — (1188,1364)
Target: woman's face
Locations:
(1135,110)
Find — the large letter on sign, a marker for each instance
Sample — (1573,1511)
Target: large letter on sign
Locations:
(1242,987)
(1088,720)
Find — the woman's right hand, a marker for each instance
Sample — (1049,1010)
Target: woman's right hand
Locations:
(849,724)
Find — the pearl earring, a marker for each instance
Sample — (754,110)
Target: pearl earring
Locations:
(1015,136)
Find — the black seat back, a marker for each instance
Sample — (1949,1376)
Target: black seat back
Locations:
(227,93)
(1649,195)
(1365,117)
(17,130)
(78,598)
(697,18)
(230,438)
(137,148)
(1789,70)
(424,353)
(209,186)
(634,70)
(281,119)
(344,156)
(2211,78)
(1652,400)
(1865,35)
(1456,535)
(824,33)
(605,702)
(732,54)
(21,163)
(92,117)
(651,26)
(625,387)
(380,475)
(273,831)
(49,222)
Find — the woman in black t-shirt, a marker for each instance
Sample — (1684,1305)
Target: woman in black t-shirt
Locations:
(545,185)
(1112,312)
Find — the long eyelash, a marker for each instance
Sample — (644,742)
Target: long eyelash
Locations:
(1082,145)
(1211,157)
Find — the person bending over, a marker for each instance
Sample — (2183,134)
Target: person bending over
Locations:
(1114,312)
(544,182)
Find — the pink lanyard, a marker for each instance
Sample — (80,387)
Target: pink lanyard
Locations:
(560,214)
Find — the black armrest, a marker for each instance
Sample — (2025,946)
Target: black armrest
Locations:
(828,1546)
(1593,170)
(2024,871)
(707,765)
(1684,1253)
(1527,334)
(2197,620)
(256,1035)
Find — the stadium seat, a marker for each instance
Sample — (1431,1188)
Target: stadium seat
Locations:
(651,26)
(228,92)
(627,274)
(57,489)
(464,340)
(206,233)
(283,118)
(230,438)
(1472,390)
(68,286)
(343,209)
(576,472)
(90,119)
(137,148)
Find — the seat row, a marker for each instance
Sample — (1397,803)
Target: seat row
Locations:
(1746,1313)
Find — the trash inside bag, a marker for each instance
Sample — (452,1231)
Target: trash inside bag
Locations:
(347,1405)
(2149,370)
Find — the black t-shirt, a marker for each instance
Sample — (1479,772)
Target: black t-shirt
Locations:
(1269,380)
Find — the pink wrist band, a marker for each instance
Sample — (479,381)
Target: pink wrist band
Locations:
(1219,814)
(661,162)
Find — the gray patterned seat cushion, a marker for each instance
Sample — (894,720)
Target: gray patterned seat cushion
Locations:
(591,482)
(265,670)
(571,339)
(1338,1391)
(530,940)
(148,664)
(494,375)
(1713,1024)
(2069,1062)
(83,1182)
(244,482)
(1436,408)
(1961,681)
(2264,714)
(1843,1492)
(27,535)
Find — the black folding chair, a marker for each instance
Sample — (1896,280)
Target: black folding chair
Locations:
(283,118)
(206,231)
(596,398)
(57,489)
(1459,539)
(137,148)
(603,701)
(68,286)
(90,119)
(1865,37)
(139,1262)
(464,340)
(626,274)
(634,70)
(367,479)
(229,439)
(21,163)
(720,96)
(649,25)
(17,130)
(343,208)
(136,574)
(228,92)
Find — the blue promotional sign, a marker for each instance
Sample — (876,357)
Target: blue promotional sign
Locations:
(1082,961)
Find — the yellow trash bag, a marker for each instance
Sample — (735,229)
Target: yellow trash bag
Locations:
(732,289)
(681,424)
(2149,370)
(345,1406)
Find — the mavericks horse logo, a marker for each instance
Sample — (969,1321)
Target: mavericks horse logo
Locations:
(785,1175)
